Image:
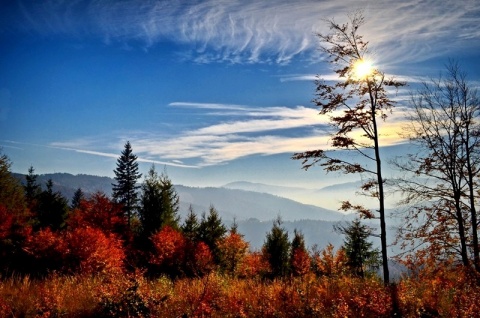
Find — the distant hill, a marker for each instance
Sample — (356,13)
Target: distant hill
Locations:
(67,184)
(231,203)
(243,205)
(254,211)
(329,197)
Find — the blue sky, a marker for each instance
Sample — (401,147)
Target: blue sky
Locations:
(217,91)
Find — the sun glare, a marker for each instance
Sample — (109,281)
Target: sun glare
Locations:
(362,68)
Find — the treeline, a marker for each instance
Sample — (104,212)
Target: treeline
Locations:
(139,228)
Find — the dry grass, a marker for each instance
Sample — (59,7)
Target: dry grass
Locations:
(215,295)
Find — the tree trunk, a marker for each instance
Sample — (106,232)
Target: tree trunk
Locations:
(381,196)
(461,230)
(473,212)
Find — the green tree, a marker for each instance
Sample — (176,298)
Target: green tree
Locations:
(277,249)
(362,258)
(32,188)
(12,195)
(52,208)
(126,176)
(78,197)
(355,104)
(190,225)
(159,203)
(211,230)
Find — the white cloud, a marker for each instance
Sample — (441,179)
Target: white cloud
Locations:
(260,131)
(250,31)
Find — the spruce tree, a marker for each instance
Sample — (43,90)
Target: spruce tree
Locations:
(190,225)
(362,258)
(126,176)
(277,249)
(32,188)
(52,208)
(78,196)
(159,203)
(211,230)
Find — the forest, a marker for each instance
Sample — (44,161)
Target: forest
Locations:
(131,255)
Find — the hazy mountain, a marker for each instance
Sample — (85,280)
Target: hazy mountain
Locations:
(243,205)
(254,211)
(329,197)
(67,184)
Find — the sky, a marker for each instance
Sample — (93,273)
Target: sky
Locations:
(213,91)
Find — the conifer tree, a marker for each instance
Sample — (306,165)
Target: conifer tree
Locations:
(52,208)
(190,225)
(78,196)
(32,188)
(211,230)
(299,257)
(361,257)
(159,203)
(12,196)
(277,249)
(126,176)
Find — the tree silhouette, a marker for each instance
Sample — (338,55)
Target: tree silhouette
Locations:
(51,209)
(440,180)
(32,188)
(355,103)
(78,196)
(190,225)
(126,176)
(159,203)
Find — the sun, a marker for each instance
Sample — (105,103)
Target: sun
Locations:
(362,68)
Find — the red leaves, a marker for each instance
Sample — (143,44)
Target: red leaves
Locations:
(94,252)
(82,250)
(6,222)
(300,262)
(99,212)
(169,245)
(233,249)
(174,254)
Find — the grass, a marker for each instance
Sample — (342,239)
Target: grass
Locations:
(215,295)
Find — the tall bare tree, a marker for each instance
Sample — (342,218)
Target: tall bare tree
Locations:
(440,179)
(355,104)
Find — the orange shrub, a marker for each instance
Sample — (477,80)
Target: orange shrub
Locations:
(254,265)
(233,249)
(301,262)
(169,250)
(93,252)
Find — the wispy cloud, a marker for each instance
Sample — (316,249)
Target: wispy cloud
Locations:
(248,131)
(241,31)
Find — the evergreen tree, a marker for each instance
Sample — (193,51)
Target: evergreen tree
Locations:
(78,196)
(300,261)
(12,196)
(277,249)
(211,230)
(52,208)
(361,257)
(32,188)
(126,176)
(298,241)
(159,203)
(190,225)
